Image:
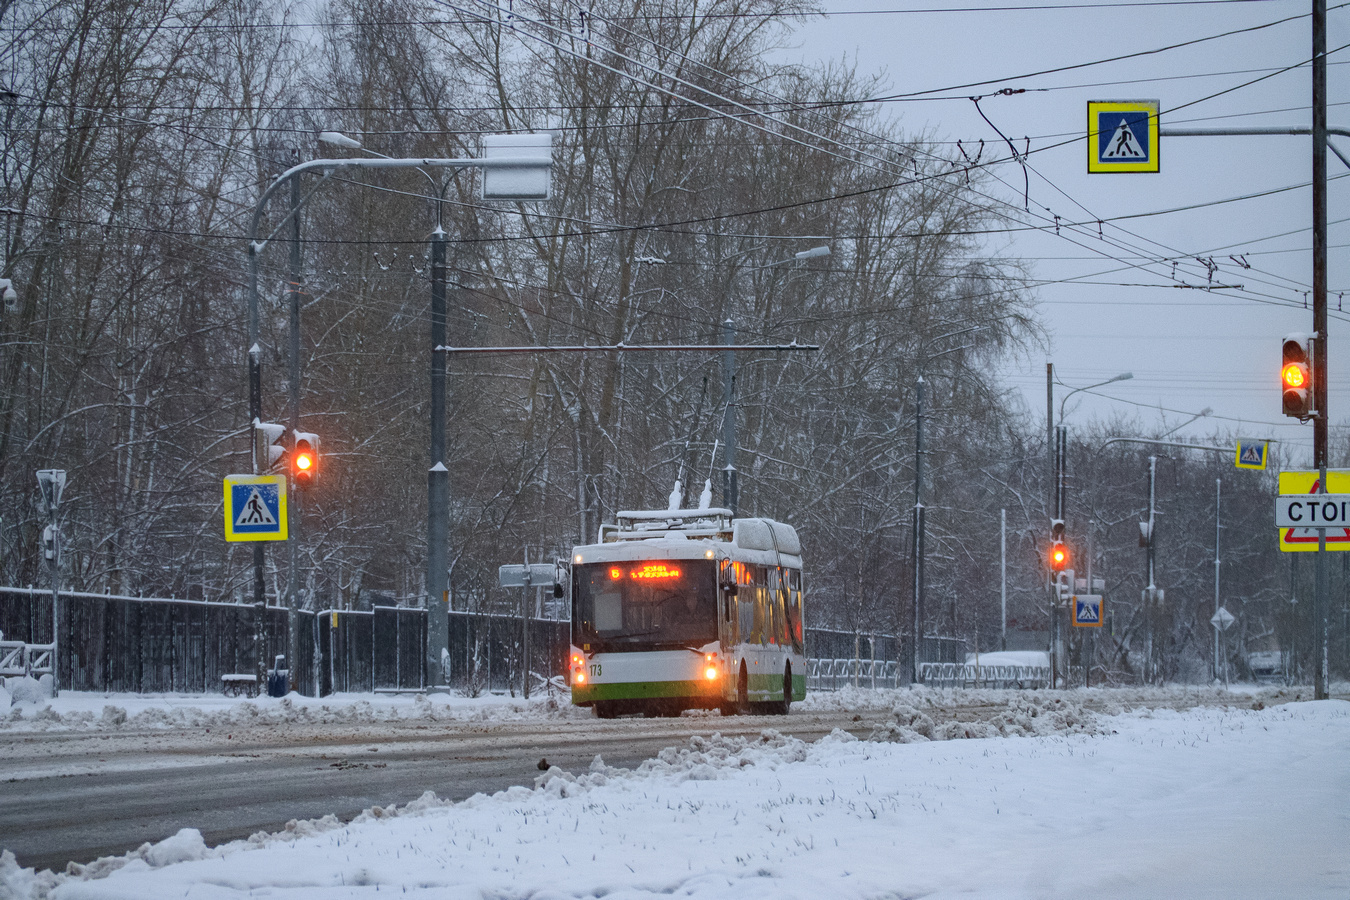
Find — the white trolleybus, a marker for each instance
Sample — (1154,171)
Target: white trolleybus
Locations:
(688,609)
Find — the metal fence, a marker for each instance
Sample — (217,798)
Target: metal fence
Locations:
(971,675)
(485,650)
(142,644)
(376,650)
(18,659)
(166,645)
(833,674)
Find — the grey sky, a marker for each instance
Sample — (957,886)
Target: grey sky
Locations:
(1188,349)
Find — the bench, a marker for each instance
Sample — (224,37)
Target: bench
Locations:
(239,685)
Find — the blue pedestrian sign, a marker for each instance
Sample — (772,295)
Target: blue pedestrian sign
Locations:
(255,508)
(1087,610)
(1123,136)
(1251,454)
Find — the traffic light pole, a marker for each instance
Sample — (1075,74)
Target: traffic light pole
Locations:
(293,376)
(1319,181)
(1319,131)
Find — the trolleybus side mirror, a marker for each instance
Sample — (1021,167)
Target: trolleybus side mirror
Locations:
(557,590)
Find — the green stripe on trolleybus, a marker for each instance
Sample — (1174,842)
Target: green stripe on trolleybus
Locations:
(760,687)
(771,687)
(641,690)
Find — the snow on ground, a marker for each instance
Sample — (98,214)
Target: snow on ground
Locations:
(89,710)
(31,710)
(1210,802)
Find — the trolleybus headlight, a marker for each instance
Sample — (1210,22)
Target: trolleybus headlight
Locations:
(579,677)
(711,672)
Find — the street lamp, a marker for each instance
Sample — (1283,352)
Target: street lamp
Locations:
(515,167)
(1058,450)
(1123,376)
(1207,411)
(730,489)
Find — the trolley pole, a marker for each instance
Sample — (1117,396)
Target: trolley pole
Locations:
(729,486)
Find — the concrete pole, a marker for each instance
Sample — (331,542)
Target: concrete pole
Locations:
(1150,591)
(438,477)
(296,508)
(1089,635)
(1218,493)
(56,599)
(1003,577)
(916,607)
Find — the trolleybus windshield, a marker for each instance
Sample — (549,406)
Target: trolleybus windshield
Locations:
(671,602)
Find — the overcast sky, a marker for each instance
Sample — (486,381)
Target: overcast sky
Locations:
(1110,303)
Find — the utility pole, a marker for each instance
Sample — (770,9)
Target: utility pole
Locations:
(1003,577)
(729,488)
(1090,639)
(916,609)
(51,483)
(1218,492)
(1151,591)
(1319,205)
(294,496)
(438,478)
(1051,481)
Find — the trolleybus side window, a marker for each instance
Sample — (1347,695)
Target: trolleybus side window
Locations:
(795,624)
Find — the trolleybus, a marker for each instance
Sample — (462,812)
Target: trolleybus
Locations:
(688,609)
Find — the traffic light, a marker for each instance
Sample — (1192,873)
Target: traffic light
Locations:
(1059,554)
(305,459)
(1296,376)
(266,451)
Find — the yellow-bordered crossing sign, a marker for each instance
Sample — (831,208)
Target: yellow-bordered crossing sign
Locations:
(1251,454)
(255,508)
(1123,136)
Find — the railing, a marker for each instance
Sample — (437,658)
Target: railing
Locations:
(18,659)
(971,675)
(833,674)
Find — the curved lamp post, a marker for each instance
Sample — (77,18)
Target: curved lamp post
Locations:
(516,167)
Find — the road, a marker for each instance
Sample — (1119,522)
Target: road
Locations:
(75,796)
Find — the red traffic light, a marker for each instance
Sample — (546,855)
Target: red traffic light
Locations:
(305,459)
(1059,557)
(1296,376)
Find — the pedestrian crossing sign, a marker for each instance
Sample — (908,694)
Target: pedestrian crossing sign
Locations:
(255,508)
(1123,136)
(1087,610)
(1251,454)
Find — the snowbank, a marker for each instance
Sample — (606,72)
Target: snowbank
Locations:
(75,710)
(1038,658)
(1204,803)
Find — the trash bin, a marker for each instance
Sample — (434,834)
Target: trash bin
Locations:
(278,678)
